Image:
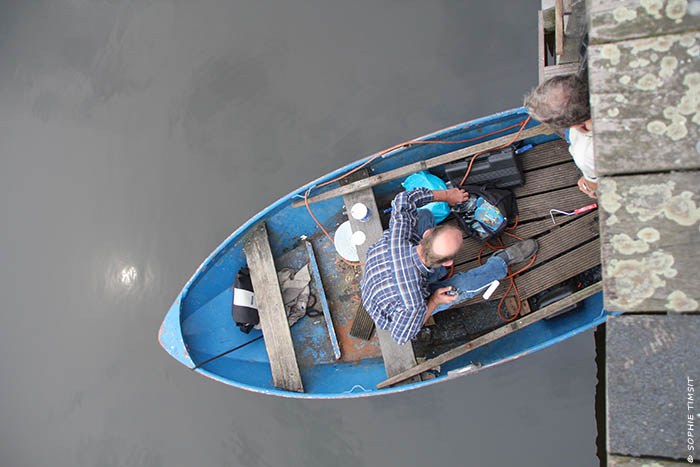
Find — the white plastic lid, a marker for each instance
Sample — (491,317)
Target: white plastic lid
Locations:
(343,242)
(358,211)
(358,238)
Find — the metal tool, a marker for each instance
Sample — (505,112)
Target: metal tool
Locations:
(575,212)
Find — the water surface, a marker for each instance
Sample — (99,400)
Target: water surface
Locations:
(135,136)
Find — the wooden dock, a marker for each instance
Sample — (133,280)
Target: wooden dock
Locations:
(644,77)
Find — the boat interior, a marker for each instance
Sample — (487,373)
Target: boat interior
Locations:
(568,256)
(318,355)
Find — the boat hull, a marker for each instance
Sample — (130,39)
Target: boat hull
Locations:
(199,325)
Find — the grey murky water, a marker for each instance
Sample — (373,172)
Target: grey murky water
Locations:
(135,136)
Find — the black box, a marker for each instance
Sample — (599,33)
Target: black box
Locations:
(498,168)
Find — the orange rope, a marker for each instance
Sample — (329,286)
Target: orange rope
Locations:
(511,275)
(308,207)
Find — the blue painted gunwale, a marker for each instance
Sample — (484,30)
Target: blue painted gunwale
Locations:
(198,324)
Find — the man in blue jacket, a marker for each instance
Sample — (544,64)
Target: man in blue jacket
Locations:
(401,286)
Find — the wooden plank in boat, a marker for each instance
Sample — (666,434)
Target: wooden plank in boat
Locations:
(549,178)
(539,180)
(549,274)
(579,231)
(273,318)
(409,169)
(544,155)
(397,358)
(538,206)
(494,335)
(560,269)
(470,247)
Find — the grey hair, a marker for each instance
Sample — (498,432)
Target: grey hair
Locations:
(561,101)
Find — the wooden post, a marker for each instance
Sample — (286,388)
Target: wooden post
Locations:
(558,28)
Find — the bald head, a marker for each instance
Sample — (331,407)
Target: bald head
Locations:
(440,245)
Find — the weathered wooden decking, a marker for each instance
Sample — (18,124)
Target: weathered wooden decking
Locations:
(568,247)
(644,77)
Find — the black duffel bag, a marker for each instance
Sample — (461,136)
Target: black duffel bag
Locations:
(487,212)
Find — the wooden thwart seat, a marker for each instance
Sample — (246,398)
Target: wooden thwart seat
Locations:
(397,358)
(273,318)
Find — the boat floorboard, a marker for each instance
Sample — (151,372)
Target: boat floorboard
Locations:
(568,248)
(341,284)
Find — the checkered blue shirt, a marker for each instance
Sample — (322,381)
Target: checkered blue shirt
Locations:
(394,286)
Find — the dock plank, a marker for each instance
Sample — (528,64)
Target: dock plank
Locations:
(631,19)
(273,318)
(651,242)
(649,358)
(643,104)
(576,29)
(624,461)
(644,82)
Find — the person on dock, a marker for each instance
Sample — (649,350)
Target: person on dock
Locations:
(562,103)
(402,285)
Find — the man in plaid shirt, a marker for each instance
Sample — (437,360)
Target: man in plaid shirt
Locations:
(401,286)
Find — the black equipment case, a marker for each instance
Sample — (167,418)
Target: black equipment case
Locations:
(498,169)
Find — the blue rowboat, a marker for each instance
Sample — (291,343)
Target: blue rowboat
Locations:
(199,324)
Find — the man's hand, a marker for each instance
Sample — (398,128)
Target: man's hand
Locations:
(587,187)
(452,196)
(440,296)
